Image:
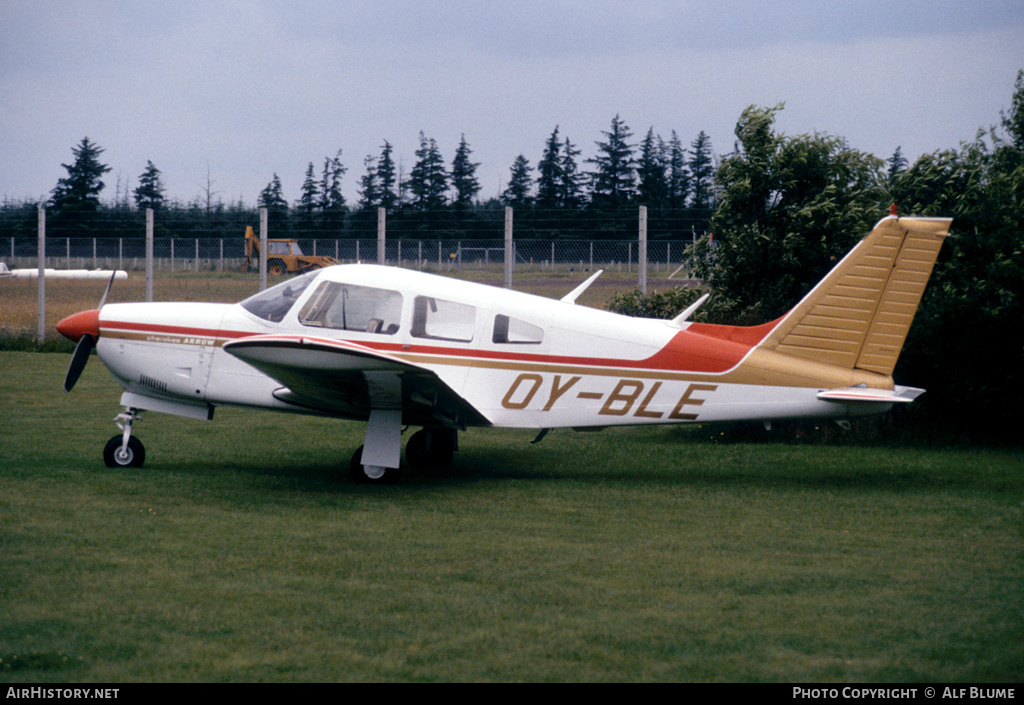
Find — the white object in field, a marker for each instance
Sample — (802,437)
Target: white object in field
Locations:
(103,274)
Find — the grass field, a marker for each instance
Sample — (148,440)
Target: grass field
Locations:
(242,552)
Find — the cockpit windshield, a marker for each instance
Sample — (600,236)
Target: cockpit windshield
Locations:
(275,302)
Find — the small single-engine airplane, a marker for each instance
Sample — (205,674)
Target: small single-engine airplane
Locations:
(398,348)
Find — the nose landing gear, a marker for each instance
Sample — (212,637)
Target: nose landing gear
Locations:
(124,450)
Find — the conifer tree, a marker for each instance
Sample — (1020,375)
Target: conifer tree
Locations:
(613,181)
(518,191)
(308,201)
(702,171)
(651,170)
(272,198)
(897,165)
(369,192)
(549,174)
(678,175)
(332,200)
(386,178)
(464,182)
(150,191)
(428,180)
(78,192)
(572,180)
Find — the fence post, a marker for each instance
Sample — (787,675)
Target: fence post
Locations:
(509,257)
(149,254)
(642,252)
(381,216)
(264,225)
(41,318)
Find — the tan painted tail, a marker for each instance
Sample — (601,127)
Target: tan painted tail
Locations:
(858,316)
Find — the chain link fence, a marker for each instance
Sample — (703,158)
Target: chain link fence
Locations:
(180,266)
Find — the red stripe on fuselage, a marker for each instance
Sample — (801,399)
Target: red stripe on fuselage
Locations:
(701,348)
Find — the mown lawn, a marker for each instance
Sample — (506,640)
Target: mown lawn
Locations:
(242,552)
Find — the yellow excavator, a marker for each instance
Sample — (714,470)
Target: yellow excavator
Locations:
(283,256)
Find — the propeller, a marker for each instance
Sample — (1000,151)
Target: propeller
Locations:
(81,356)
(83,327)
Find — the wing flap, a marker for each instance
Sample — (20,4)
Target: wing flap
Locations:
(347,379)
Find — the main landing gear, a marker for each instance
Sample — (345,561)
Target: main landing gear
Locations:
(427,448)
(125,450)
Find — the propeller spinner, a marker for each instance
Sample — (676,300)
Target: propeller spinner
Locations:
(83,328)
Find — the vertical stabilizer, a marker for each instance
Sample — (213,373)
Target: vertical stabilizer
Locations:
(858,316)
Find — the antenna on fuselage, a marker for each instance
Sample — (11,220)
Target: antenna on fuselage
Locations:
(571,297)
(682,317)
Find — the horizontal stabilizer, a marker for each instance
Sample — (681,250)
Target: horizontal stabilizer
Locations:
(868,395)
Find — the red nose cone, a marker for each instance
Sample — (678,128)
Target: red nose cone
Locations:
(76,325)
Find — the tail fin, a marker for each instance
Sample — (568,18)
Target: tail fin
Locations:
(858,316)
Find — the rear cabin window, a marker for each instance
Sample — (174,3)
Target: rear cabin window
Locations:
(437,319)
(513,331)
(351,307)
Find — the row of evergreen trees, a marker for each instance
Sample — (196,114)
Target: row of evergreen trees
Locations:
(654,173)
(441,198)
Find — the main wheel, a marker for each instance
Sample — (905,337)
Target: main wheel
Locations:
(133,456)
(430,448)
(371,474)
(276,268)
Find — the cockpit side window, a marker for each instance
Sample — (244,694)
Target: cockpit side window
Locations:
(438,319)
(516,332)
(351,307)
(273,303)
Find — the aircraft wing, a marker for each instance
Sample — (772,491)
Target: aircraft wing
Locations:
(347,379)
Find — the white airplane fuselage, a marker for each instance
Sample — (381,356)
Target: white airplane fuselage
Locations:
(397,347)
(583,368)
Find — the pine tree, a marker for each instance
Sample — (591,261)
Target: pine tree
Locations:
(150,191)
(369,191)
(651,170)
(702,171)
(549,174)
(272,198)
(897,165)
(614,179)
(386,178)
(679,177)
(464,181)
(518,191)
(571,185)
(78,192)
(428,180)
(309,200)
(332,200)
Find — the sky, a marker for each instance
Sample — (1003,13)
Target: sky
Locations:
(227,93)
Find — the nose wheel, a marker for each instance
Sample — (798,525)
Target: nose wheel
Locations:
(125,450)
